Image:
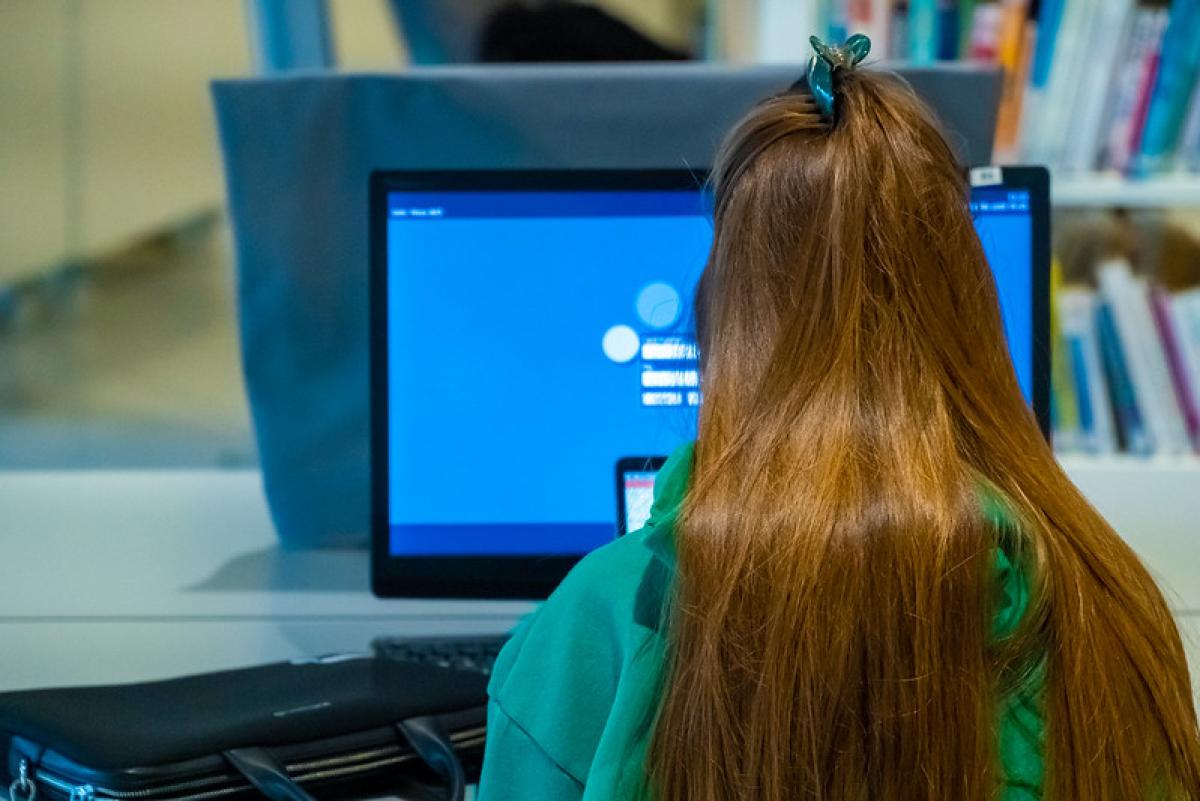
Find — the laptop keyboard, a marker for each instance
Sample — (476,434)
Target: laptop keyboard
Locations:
(476,654)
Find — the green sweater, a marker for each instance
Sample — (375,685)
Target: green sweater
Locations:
(573,692)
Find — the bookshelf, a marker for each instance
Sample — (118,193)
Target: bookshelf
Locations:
(1108,190)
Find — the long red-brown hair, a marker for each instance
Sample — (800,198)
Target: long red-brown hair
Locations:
(830,631)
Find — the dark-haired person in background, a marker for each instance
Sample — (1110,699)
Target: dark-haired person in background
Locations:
(566,32)
(508,31)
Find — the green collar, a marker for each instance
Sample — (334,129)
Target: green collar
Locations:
(669,488)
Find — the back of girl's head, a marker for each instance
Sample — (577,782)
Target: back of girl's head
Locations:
(845,248)
(865,460)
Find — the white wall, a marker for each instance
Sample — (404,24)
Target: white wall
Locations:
(106,124)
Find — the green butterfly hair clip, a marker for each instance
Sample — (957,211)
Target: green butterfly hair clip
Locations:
(829,59)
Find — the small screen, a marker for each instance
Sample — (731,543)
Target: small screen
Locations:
(537,337)
(639,497)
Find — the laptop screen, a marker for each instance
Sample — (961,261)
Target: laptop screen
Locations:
(638,487)
(534,338)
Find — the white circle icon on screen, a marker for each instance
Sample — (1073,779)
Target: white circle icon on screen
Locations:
(658,305)
(620,343)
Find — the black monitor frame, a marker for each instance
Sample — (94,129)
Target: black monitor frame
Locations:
(534,577)
(1037,181)
(494,577)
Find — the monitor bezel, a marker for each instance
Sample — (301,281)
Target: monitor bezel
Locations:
(534,577)
(458,577)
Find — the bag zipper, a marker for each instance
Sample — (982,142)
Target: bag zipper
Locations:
(87,792)
(309,771)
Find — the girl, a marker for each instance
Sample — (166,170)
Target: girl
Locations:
(868,578)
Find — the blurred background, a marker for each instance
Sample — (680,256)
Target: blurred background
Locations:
(118,337)
(118,329)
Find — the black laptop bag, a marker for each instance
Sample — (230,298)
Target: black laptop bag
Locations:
(331,728)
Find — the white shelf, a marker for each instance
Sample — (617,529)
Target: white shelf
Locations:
(1122,462)
(1106,190)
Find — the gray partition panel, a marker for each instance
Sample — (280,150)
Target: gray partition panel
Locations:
(297,154)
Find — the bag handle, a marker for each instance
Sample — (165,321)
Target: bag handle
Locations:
(432,745)
(424,734)
(266,775)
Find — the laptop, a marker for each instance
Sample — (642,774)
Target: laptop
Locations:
(531,333)
(635,491)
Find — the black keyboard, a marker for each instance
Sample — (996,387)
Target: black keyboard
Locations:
(476,654)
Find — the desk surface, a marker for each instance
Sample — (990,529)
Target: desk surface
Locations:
(120,576)
(115,576)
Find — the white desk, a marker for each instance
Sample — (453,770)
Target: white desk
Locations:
(122,576)
(126,576)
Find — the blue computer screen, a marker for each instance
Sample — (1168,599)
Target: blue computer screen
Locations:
(536,338)
(1005,227)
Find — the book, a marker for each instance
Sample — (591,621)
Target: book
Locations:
(1189,142)
(881,24)
(1160,306)
(1048,103)
(898,32)
(949,22)
(1067,409)
(1112,20)
(1185,315)
(1131,432)
(1077,313)
(873,18)
(1178,68)
(983,43)
(1132,80)
(835,18)
(1141,108)
(1015,40)
(922,31)
(1128,298)
(777,33)
(966,16)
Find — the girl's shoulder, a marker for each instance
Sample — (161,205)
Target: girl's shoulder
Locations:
(563,673)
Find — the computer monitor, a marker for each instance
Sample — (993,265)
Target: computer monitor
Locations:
(532,329)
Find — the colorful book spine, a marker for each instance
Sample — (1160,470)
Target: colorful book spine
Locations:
(881,24)
(1128,298)
(1141,108)
(1185,316)
(1189,143)
(1087,422)
(872,17)
(1160,306)
(983,44)
(1179,65)
(1014,52)
(1049,20)
(1112,20)
(836,19)
(1131,432)
(1066,413)
(1133,76)
(1077,312)
(1044,142)
(966,17)
(948,25)
(922,31)
(898,32)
